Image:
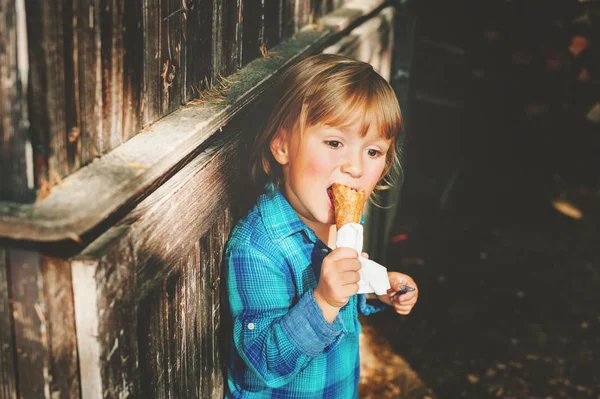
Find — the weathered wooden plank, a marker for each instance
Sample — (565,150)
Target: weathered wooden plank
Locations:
(30,323)
(231,35)
(288,22)
(16,160)
(117,327)
(198,45)
(144,275)
(70,20)
(152,61)
(8,377)
(173,66)
(89,142)
(191,354)
(327,6)
(271,23)
(60,318)
(132,68)
(218,238)
(303,13)
(152,341)
(119,178)
(85,298)
(218,51)
(47,113)
(225,47)
(173,335)
(251,30)
(205,320)
(202,192)
(112,51)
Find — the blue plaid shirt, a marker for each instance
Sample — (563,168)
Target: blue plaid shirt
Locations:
(282,346)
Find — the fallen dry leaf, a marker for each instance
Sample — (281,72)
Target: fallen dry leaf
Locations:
(568,209)
(578,44)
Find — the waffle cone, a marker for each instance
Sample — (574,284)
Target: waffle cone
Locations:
(348,204)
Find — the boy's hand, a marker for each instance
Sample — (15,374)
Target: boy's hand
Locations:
(404,303)
(338,281)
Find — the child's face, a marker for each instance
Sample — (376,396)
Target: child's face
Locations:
(323,156)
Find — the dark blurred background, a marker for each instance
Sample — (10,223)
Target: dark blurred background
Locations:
(499,214)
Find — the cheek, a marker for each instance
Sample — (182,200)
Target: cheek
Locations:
(372,174)
(319,163)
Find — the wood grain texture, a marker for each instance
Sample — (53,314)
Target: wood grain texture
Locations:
(62,337)
(198,46)
(226,46)
(47,113)
(152,60)
(70,20)
(112,51)
(30,324)
(15,184)
(8,377)
(119,178)
(89,70)
(133,68)
(288,22)
(85,296)
(231,36)
(164,67)
(251,30)
(272,23)
(156,279)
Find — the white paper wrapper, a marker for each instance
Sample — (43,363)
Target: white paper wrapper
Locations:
(373,276)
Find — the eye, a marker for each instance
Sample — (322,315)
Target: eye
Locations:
(374,153)
(333,143)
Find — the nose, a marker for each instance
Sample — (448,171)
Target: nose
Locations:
(353,165)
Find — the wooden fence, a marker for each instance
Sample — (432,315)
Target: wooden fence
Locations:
(128,123)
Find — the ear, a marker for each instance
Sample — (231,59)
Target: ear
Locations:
(280,148)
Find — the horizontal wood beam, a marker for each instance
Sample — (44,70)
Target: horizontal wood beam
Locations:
(121,178)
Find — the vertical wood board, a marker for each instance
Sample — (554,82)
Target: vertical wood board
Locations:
(31,334)
(60,317)
(8,377)
(47,90)
(198,46)
(85,294)
(16,161)
(251,30)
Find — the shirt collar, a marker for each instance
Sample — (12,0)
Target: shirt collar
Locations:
(281,220)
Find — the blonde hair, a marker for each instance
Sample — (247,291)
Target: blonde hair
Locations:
(332,90)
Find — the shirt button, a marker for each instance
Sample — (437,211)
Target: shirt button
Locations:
(250,326)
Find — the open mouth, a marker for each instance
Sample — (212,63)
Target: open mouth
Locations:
(330,192)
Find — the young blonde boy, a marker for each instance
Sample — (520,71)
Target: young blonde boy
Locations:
(293,299)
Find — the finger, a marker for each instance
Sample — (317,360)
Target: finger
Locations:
(365,255)
(350,289)
(350,277)
(348,265)
(342,253)
(410,297)
(403,308)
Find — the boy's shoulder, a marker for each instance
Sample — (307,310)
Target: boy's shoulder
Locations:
(251,232)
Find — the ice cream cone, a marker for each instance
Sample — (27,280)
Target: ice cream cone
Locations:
(348,204)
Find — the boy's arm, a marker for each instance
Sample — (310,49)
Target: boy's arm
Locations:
(275,339)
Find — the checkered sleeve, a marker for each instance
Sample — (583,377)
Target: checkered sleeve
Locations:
(366,308)
(275,337)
